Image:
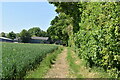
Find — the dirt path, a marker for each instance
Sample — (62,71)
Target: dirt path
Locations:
(60,68)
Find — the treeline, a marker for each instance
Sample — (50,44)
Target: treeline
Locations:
(60,27)
(25,35)
(93,29)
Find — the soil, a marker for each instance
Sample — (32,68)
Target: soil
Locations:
(60,68)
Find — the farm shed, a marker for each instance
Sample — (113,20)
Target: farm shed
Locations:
(3,39)
(39,40)
(17,40)
(58,42)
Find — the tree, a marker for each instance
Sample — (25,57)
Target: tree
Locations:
(44,34)
(96,32)
(59,28)
(3,34)
(25,36)
(11,35)
(73,9)
(36,31)
(17,35)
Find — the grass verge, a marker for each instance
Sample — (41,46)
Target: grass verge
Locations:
(78,68)
(73,67)
(45,65)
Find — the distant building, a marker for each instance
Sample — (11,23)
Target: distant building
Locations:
(17,40)
(58,42)
(39,40)
(3,39)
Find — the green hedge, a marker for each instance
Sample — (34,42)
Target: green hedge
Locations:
(98,39)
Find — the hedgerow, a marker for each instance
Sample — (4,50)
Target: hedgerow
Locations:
(98,38)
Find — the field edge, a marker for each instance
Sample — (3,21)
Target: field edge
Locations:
(45,65)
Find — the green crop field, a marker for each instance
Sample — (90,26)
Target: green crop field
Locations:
(18,58)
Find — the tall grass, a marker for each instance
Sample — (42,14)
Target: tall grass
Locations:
(45,65)
(18,58)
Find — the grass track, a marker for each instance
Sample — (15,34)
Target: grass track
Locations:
(44,66)
(78,68)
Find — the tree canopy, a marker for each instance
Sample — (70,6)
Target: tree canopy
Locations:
(3,34)
(36,31)
(59,28)
(25,36)
(11,35)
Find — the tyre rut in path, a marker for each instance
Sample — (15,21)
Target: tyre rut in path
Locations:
(60,68)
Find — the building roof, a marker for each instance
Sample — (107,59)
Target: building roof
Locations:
(5,38)
(40,38)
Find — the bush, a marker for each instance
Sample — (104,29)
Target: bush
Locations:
(98,39)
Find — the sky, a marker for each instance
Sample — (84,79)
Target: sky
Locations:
(17,16)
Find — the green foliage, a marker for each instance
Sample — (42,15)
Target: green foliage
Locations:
(3,34)
(71,9)
(74,68)
(36,31)
(11,35)
(25,36)
(79,69)
(18,58)
(17,35)
(96,32)
(98,39)
(59,28)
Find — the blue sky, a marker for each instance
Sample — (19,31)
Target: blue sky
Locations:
(24,15)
